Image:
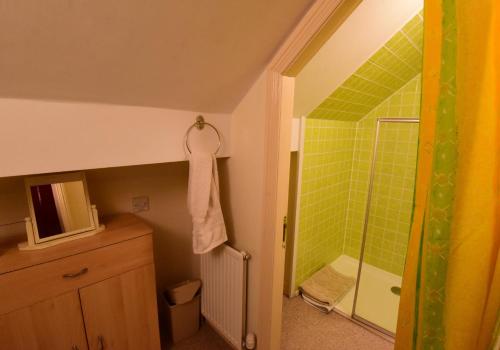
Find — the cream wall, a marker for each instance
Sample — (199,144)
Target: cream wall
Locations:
(43,137)
(369,27)
(112,191)
(244,182)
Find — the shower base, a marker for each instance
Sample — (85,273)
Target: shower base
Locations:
(376,303)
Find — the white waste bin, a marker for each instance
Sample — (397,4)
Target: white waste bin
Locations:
(182,304)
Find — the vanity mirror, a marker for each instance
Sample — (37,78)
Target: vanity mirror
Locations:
(60,210)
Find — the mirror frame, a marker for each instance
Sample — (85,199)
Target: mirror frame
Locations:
(49,180)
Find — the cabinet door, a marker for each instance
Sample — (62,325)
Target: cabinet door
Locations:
(120,313)
(54,324)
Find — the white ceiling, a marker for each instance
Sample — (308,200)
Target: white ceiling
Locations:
(184,54)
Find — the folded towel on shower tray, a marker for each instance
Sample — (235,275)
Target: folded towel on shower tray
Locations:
(209,230)
(325,288)
(323,307)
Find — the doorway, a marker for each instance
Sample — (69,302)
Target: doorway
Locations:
(290,61)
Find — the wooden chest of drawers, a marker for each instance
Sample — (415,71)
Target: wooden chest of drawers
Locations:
(94,293)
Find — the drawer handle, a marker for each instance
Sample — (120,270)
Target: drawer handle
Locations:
(77,274)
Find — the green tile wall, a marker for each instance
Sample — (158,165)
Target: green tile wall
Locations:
(390,68)
(337,156)
(392,197)
(397,183)
(326,171)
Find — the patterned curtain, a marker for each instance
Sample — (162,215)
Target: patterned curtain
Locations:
(451,285)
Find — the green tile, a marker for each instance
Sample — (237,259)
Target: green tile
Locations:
(338,149)
(324,182)
(386,59)
(414,30)
(380,75)
(362,84)
(392,137)
(391,67)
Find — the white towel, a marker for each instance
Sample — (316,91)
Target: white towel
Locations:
(326,308)
(209,230)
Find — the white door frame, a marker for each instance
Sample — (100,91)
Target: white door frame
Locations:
(319,23)
(300,160)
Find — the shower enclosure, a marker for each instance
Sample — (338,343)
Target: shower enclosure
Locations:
(386,223)
(366,222)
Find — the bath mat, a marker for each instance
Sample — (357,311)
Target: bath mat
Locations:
(326,288)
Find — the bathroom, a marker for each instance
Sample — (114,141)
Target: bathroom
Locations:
(340,150)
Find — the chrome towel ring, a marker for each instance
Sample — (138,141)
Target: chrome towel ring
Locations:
(200,124)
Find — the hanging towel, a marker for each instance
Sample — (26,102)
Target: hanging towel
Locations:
(209,230)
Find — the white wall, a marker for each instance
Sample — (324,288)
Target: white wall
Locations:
(43,137)
(368,28)
(295,137)
(244,183)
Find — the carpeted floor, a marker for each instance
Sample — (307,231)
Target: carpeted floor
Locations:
(306,328)
(205,339)
(303,328)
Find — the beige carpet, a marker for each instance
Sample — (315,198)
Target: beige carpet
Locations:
(205,339)
(306,328)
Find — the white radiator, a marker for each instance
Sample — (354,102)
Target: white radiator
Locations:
(224,292)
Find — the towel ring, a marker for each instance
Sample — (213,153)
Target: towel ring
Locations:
(200,124)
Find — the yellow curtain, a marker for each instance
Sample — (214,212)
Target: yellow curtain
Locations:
(450,296)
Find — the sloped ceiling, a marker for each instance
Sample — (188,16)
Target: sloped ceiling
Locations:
(190,54)
(371,25)
(391,67)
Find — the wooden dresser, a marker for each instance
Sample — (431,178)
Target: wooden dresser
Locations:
(94,293)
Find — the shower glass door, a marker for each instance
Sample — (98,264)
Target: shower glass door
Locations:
(387,223)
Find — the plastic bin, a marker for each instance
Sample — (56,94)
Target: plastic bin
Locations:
(182,304)
(183,292)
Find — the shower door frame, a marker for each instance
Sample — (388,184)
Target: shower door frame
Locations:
(367,215)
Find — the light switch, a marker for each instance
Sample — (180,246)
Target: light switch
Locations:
(140,203)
